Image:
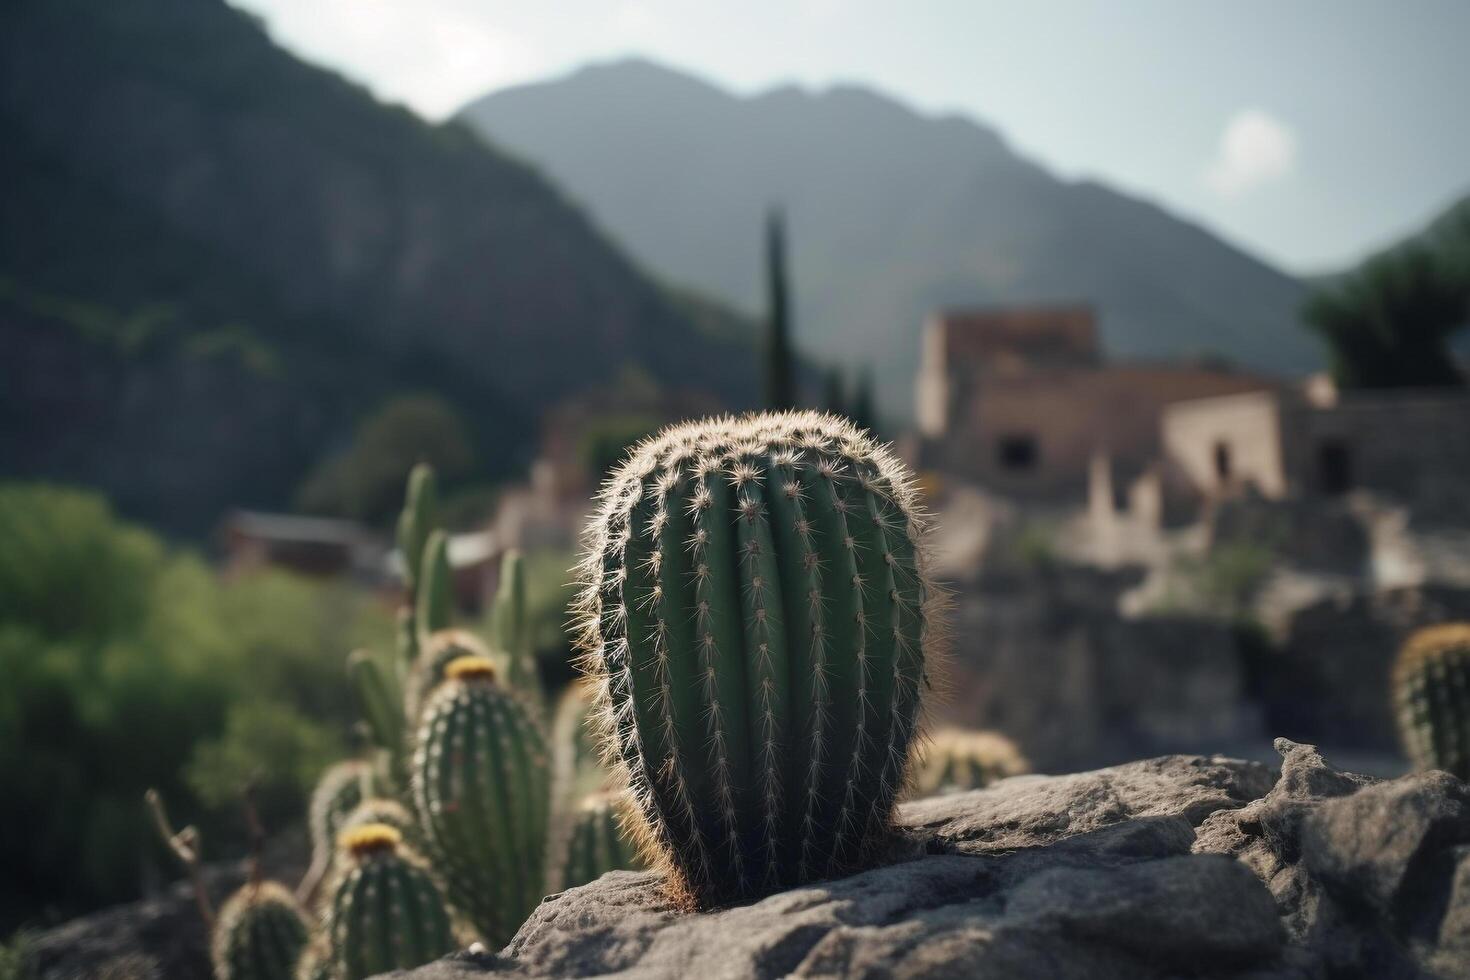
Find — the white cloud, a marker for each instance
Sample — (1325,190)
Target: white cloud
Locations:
(1255,148)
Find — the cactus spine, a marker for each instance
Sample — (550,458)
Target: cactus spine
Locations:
(259,935)
(482,793)
(956,759)
(1431,682)
(386,913)
(756,607)
(595,843)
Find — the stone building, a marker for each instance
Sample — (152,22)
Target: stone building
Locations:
(1411,445)
(1023,402)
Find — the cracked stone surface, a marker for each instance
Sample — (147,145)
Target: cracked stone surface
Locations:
(1182,866)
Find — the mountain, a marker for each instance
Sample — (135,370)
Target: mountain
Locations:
(892,214)
(215,259)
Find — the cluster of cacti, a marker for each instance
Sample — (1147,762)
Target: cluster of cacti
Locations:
(756,607)
(385,911)
(956,759)
(481,787)
(594,842)
(1431,685)
(460,770)
(259,935)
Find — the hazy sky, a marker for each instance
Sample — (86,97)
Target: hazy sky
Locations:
(1309,131)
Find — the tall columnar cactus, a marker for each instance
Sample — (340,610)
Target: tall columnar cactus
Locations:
(259,935)
(756,606)
(386,912)
(380,700)
(1431,682)
(956,759)
(577,769)
(594,843)
(434,589)
(512,626)
(419,518)
(481,788)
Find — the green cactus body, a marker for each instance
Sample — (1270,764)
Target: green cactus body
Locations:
(755,605)
(316,961)
(577,768)
(434,601)
(439,651)
(959,760)
(481,787)
(339,791)
(381,703)
(386,912)
(420,516)
(1431,682)
(594,843)
(512,627)
(259,935)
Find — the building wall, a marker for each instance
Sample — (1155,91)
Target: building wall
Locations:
(1226,441)
(1065,416)
(1413,445)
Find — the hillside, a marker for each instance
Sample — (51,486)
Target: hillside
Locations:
(214,259)
(892,214)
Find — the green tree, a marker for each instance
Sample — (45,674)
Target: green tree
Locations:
(780,382)
(127,665)
(365,482)
(1388,324)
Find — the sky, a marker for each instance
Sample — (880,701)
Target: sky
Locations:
(1309,132)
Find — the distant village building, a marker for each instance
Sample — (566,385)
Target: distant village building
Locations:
(1412,445)
(315,546)
(1022,401)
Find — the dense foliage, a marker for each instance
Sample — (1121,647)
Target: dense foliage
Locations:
(129,665)
(1389,323)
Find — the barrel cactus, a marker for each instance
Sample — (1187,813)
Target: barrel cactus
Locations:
(338,792)
(259,935)
(956,759)
(481,785)
(756,607)
(439,650)
(1431,683)
(383,811)
(386,912)
(595,843)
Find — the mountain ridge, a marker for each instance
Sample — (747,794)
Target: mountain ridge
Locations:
(894,213)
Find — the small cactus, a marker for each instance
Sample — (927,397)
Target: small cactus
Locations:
(756,607)
(259,935)
(595,843)
(1431,684)
(439,650)
(383,811)
(577,768)
(956,759)
(386,912)
(482,792)
(341,788)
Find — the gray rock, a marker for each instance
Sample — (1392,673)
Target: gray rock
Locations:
(1371,877)
(1087,875)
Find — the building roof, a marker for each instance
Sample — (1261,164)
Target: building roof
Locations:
(293,527)
(1028,336)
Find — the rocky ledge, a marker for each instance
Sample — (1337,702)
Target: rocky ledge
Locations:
(1179,866)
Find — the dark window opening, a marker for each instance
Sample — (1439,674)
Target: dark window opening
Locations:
(1017,452)
(1222,461)
(1334,467)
